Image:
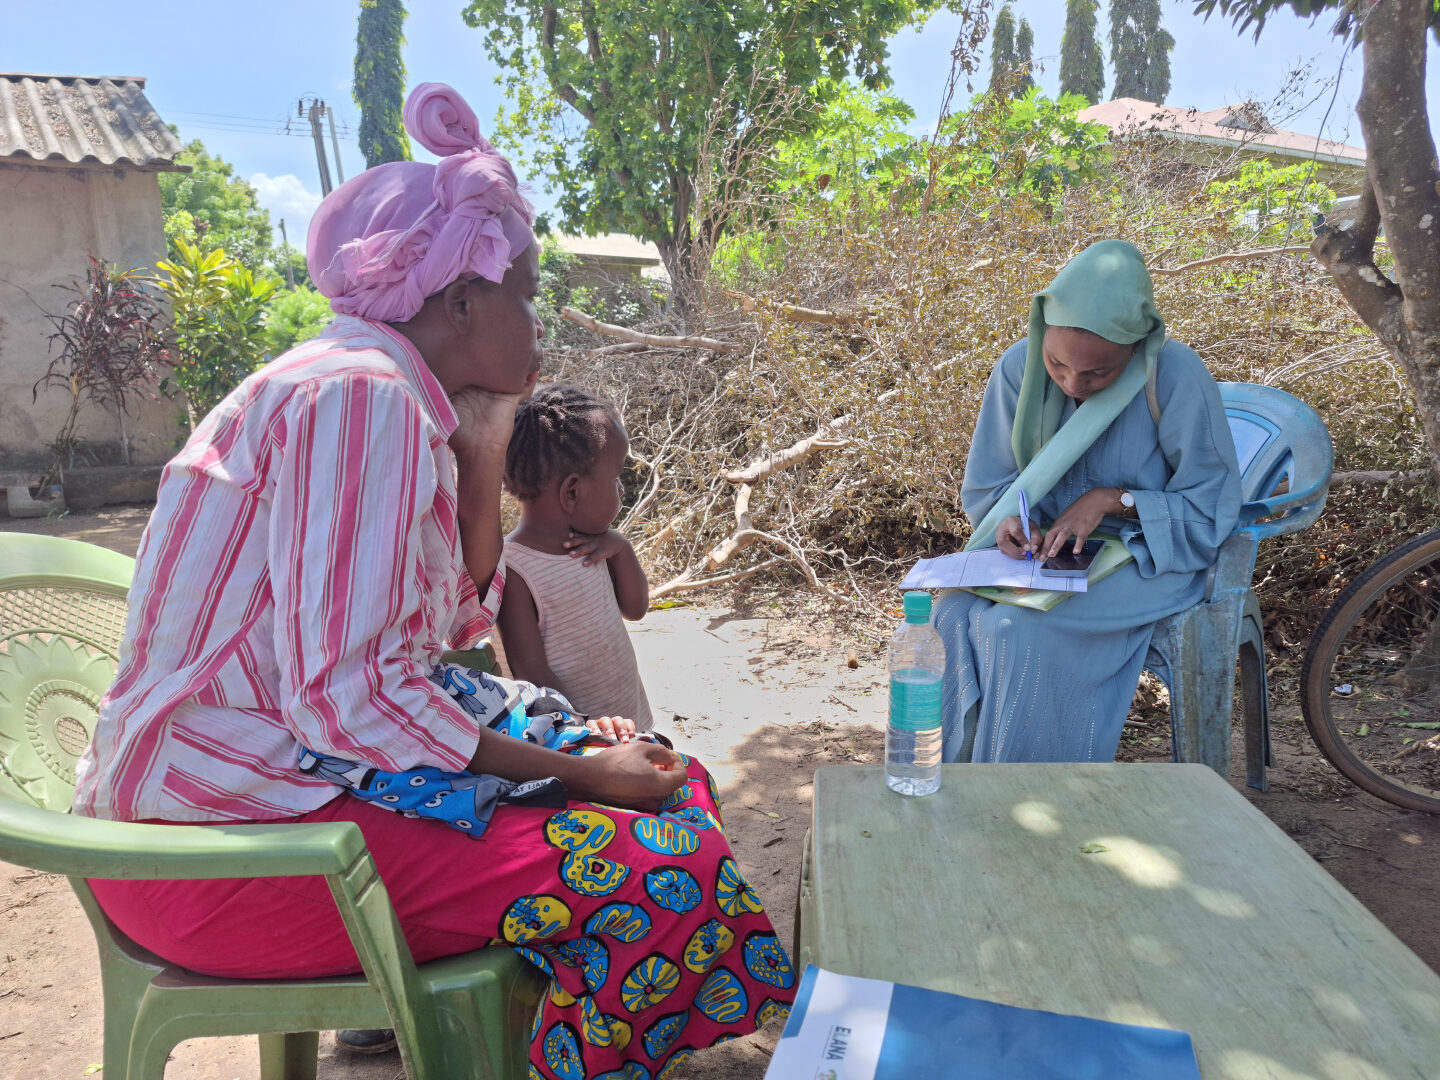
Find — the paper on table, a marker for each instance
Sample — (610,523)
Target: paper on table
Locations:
(986,566)
(847,1028)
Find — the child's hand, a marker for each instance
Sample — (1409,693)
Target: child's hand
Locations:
(619,728)
(595,548)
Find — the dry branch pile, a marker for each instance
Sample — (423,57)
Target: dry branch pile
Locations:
(820,423)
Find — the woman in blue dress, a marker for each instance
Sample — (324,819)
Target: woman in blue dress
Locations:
(1106,425)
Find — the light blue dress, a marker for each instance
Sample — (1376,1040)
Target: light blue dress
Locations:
(1024,685)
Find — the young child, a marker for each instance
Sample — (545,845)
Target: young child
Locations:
(571,580)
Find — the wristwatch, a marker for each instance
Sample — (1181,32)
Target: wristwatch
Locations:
(1127,500)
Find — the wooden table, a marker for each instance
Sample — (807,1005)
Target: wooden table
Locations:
(1147,894)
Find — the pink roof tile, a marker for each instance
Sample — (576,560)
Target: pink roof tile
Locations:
(1132,114)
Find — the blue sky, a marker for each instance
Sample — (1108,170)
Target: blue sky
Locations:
(232,74)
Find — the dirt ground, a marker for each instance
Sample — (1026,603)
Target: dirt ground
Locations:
(765,695)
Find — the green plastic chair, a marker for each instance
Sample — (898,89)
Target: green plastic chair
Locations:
(62,613)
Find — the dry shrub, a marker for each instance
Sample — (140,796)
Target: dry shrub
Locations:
(936,295)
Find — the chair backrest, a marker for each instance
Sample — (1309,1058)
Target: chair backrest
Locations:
(1286,458)
(62,615)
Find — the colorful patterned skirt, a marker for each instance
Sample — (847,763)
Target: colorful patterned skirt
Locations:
(655,943)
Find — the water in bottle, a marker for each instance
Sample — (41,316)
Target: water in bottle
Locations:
(917,666)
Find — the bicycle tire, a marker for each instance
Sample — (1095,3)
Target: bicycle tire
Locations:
(1371,678)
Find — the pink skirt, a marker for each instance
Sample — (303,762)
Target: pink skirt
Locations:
(655,944)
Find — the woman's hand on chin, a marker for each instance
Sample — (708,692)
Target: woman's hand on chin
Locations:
(1010,537)
(484,421)
(638,775)
(1079,520)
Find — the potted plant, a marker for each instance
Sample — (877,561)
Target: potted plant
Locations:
(109,341)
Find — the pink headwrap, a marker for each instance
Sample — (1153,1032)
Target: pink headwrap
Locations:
(384,241)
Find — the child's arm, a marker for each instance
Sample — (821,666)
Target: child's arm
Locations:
(519,625)
(632,590)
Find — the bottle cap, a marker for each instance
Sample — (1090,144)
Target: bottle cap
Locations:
(917,607)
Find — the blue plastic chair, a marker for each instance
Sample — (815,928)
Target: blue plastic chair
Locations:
(1286,458)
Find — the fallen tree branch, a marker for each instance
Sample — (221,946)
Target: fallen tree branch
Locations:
(694,341)
(1229,256)
(1377,476)
(793,312)
(666,532)
(823,439)
(722,552)
(687,582)
(621,347)
(752,536)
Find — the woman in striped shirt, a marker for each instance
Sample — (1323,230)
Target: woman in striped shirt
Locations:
(314,548)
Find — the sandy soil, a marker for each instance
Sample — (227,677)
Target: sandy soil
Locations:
(764,695)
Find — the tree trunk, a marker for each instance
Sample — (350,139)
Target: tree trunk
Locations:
(1402,197)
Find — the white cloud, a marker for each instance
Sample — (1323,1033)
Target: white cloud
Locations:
(287,197)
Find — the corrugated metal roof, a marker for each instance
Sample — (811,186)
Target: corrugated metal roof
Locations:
(69,120)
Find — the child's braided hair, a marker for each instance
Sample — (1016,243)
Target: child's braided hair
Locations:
(560,430)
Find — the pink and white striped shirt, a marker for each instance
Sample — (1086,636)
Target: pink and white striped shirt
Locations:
(298,579)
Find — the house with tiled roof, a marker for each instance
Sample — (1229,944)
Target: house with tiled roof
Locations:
(79,158)
(1239,131)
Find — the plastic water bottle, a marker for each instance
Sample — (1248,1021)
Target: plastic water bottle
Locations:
(917,666)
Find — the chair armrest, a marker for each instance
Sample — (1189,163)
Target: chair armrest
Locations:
(86,847)
(1300,510)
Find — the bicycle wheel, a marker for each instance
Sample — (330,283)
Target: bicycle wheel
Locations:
(1371,678)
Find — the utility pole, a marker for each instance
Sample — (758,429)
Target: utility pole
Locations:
(316,112)
(285,253)
(335,142)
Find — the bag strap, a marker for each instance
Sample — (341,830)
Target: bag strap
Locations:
(1152,395)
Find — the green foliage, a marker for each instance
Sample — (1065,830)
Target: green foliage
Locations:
(1011,54)
(860,137)
(1031,143)
(380,81)
(1247,13)
(217,305)
(213,208)
(110,343)
(1082,67)
(1025,56)
(299,268)
(293,316)
(648,83)
(1272,203)
(1002,49)
(1139,50)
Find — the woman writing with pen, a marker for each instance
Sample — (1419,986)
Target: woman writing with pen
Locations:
(1068,416)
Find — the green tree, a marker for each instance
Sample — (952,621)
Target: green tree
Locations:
(1003,58)
(1273,203)
(380,81)
(648,84)
(1025,55)
(1400,300)
(1030,143)
(213,208)
(293,316)
(1082,67)
(1139,50)
(861,138)
(218,323)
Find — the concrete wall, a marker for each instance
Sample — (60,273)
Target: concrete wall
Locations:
(50,219)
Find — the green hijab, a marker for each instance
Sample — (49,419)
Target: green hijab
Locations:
(1106,290)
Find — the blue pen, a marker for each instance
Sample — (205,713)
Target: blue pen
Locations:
(1025,522)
